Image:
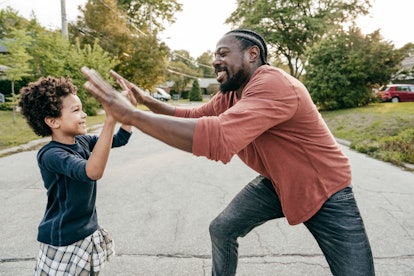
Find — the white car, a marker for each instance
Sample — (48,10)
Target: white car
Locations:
(161,95)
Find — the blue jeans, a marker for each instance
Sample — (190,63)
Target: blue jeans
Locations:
(337,227)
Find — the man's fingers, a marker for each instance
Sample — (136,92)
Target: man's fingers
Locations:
(94,77)
(96,92)
(115,75)
(131,98)
(122,84)
(120,79)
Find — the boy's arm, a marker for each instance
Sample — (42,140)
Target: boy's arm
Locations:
(126,127)
(95,166)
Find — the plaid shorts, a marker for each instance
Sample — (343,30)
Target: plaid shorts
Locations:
(85,257)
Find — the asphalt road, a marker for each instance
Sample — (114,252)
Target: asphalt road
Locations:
(157,203)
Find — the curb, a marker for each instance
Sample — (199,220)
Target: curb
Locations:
(30,145)
(36,143)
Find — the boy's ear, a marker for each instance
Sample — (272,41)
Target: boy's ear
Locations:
(52,122)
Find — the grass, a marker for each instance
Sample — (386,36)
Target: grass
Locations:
(382,130)
(17,133)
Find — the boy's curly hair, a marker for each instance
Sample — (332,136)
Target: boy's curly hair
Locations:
(42,99)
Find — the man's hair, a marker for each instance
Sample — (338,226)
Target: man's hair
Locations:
(42,99)
(250,38)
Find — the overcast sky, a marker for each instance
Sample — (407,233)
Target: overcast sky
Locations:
(201,23)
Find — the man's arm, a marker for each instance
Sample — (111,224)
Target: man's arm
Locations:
(176,132)
(154,105)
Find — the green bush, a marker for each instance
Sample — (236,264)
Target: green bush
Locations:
(184,95)
(401,145)
(195,92)
(396,149)
(7,106)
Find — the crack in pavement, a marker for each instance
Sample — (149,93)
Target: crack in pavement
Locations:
(205,257)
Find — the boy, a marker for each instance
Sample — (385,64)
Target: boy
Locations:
(71,241)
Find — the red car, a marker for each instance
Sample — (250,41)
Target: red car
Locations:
(397,93)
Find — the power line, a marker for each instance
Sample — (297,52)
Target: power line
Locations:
(194,61)
(182,74)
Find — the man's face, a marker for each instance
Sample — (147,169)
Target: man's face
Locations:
(230,64)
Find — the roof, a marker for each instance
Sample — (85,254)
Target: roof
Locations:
(399,84)
(205,82)
(3,48)
(408,62)
(3,68)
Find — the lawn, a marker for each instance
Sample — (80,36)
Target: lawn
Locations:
(18,132)
(382,130)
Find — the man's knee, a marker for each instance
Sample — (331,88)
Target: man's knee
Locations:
(218,227)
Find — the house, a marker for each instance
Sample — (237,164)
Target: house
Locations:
(406,73)
(3,49)
(408,63)
(203,82)
(206,82)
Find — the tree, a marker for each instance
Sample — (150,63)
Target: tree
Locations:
(9,19)
(146,63)
(195,92)
(92,56)
(343,68)
(142,58)
(205,64)
(50,52)
(182,70)
(149,16)
(102,20)
(292,27)
(179,79)
(17,59)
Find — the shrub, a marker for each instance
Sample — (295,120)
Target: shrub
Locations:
(195,92)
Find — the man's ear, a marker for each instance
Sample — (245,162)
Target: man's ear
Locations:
(254,53)
(52,122)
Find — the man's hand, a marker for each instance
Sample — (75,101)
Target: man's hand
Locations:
(129,86)
(112,101)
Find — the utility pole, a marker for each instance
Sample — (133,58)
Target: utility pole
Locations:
(150,19)
(64,20)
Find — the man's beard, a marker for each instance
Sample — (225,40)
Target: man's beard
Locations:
(233,83)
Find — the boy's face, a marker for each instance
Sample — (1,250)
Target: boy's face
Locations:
(72,120)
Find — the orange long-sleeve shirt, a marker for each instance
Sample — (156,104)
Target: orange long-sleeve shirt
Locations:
(276,130)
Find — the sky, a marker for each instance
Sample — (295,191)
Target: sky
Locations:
(201,23)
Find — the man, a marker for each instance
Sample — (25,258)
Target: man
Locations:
(268,119)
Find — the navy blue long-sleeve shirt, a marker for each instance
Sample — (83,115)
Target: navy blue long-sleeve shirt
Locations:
(70,212)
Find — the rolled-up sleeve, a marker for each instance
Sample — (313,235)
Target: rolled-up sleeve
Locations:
(208,140)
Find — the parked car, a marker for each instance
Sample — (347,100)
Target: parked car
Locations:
(397,93)
(161,95)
